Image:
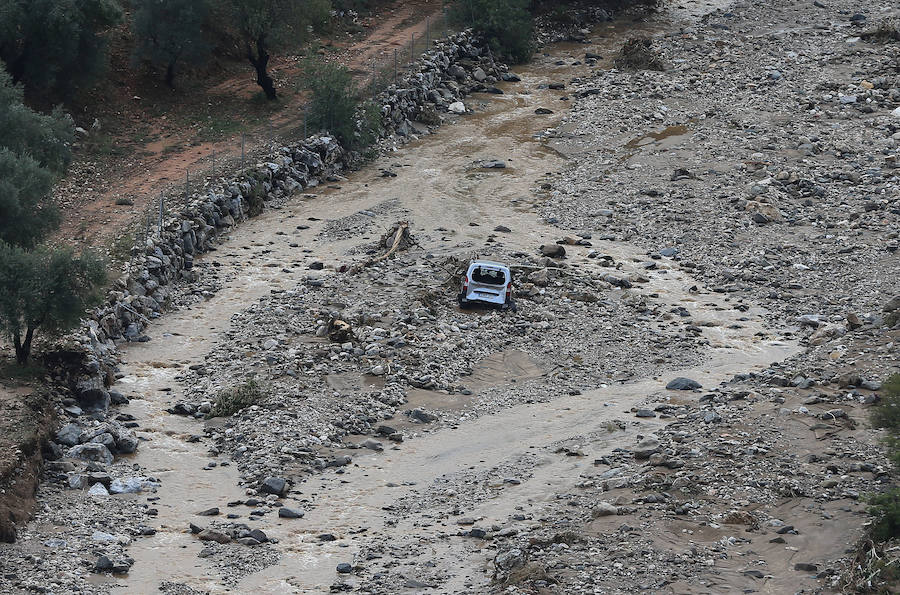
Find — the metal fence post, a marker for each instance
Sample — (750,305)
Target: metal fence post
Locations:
(161,199)
(187,186)
(412,47)
(395,65)
(427,33)
(242,150)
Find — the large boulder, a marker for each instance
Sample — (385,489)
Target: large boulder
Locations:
(553,251)
(91,395)
(273,485)
(69,434)
(91,451)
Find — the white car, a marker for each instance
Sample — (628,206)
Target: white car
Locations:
(489,283)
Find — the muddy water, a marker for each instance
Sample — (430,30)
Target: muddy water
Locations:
(452,205)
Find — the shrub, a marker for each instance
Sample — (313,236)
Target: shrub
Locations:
(231,400)
(885,510)
(170,32)
(885,507)
(505,24)
(887,413)
(336,105)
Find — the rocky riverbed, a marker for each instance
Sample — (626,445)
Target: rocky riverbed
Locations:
(704,259)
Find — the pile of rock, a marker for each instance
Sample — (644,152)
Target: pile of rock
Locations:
(453,68)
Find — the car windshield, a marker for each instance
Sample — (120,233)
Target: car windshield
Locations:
(488,276)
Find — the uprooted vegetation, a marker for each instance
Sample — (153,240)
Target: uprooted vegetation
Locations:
(231,400)
(638,53)
(877,562)
(886,31)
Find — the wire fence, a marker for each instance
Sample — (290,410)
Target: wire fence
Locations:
(233,155)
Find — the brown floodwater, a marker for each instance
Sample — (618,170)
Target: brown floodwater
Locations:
(441,191)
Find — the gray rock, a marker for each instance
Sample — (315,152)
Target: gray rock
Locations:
(273,485)
(645,448)
(91,451)
(68,434)
(553,251)
(893,304)
(604,509)
(289,513)
(98,489)
(422,416)
(344,568)
(249,541)
(682,383)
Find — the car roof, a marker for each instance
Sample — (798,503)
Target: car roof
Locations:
(489,263)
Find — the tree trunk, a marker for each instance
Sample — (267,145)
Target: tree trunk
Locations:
(261,62)
(23,350)
(16,67)
(170,74)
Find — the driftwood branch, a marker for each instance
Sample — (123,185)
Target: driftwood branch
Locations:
(401,240)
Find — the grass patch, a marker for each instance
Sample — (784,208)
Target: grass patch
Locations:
(231,400)
(217,127)
(12,373)
(103,145)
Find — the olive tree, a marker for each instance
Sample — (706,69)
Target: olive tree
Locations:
(44,288)
(34,149)
(266,24)
(169,32)
(55,46)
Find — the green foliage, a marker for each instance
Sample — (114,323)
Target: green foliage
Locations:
(34,148)
(341,6)
(55,46)
(336,106)
(264,25)
(885,507)
(505,24)
(26,214)
(231,400)
(44,138)
(885,510)
(887,415)
(256,199)
(170,32)
(46,288)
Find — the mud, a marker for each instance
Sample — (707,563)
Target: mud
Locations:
(535,419)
